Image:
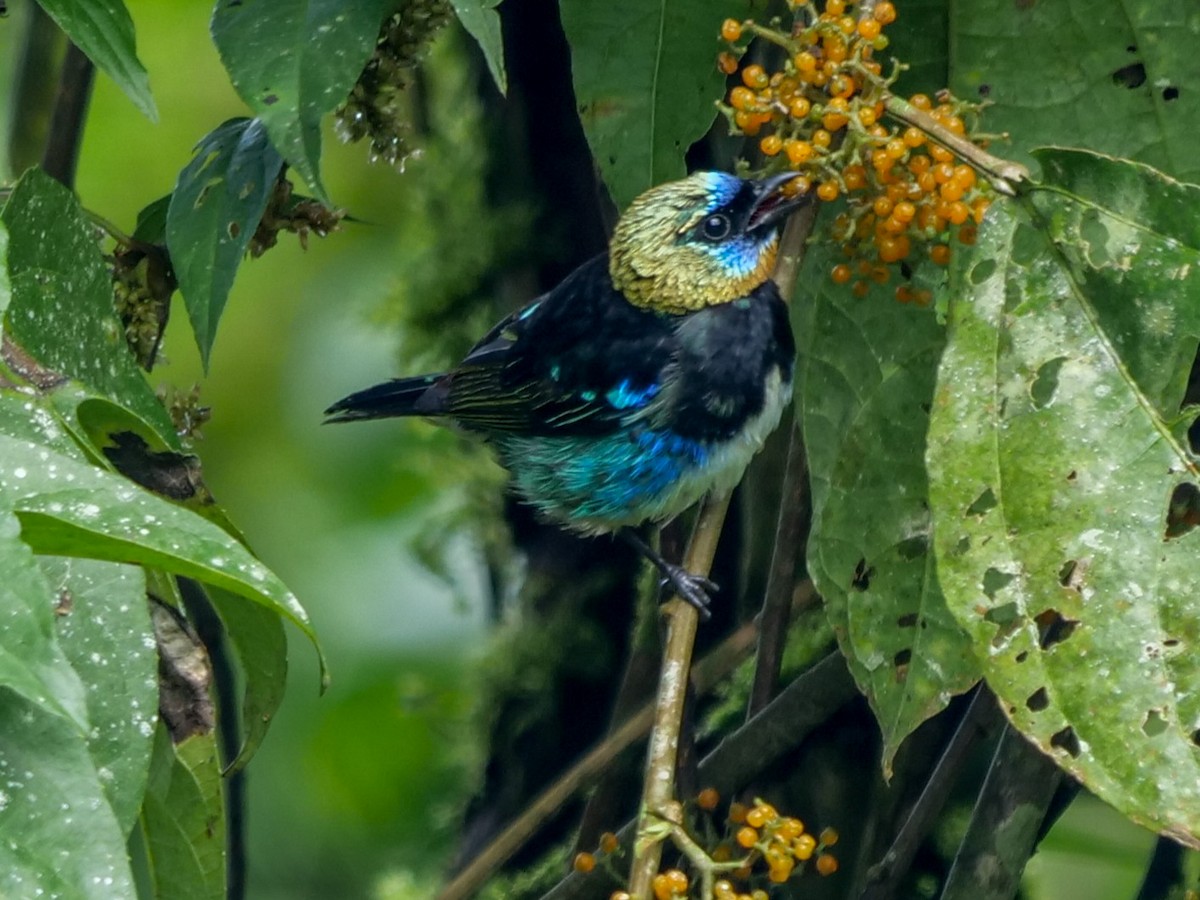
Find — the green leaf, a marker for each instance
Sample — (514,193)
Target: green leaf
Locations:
(60,836)
(482,22)
(69,508)
(864,383)
(103,30)
(151,224)
(1063,500)
(62,311)
(104,629)
(183,819)
(646,83)
(217,204)
(32,662)
(257,641)
(1131,62)
(293,61)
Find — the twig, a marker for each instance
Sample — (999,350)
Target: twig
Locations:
(884,877)
(70,108)
(1005,822)
(784,724)
(1006,176)
(789,543)
(658,793)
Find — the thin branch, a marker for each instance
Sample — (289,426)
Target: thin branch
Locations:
(785,723)
(777,598)
(708,672)
(61,156)
(884,877)
(658,793)
(1005,823)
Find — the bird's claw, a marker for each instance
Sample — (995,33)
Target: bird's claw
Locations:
(695,589)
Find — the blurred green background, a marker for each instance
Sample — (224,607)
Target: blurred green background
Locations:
(356,794)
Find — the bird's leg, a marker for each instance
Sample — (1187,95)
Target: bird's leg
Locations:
(695,589)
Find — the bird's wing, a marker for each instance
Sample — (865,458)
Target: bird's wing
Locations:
(578,360)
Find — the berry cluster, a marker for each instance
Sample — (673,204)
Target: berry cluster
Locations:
(752,835)
(823,115)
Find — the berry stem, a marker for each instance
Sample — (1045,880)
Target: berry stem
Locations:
(1006,176)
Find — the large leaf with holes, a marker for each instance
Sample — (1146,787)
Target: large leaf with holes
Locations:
(864,384)
(1064,498)
(645,81)
(293,61)
(61,312)
(218,201)
(103,30)
(1132,86)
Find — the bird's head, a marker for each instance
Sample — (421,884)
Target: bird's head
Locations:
(707,239)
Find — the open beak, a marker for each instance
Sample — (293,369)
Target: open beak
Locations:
(774,202)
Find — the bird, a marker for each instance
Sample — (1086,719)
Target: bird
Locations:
(646,379)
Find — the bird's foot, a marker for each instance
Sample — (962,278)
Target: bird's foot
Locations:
(694,589)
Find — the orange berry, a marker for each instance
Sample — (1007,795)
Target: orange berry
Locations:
(840,274)
(959,213)
(731,30)
(927,182)
(746,837)
(841,86)
(940,254)
(954,124)
(918,163)
(826,864)
(885,13)
(821,138)
(855,177)
(940,154)
(860,290)
(723,890)
(741,98)
(727,63)
(914,137)
(882,206)
(951,190)
(943,172)
(920,101)
(967,234)
(847,24)
(757,818)
(722,853)
(709,797)
(584,863)
(754,76)
(866,115)
(609,842)
(896,148)
(904,211)
(835,49)
(798,186)
(828,837)
(964,175)
(978,208)
(835,8)
(790,828)
(892,225)
(771,144)
(678,881)
(827,191)
(797,151)
(805,63)
(737,813)
(619,895)
(904,294)
(881,274)
(799,107)
(780,873)
(662,890)
(868,29)
(804,845)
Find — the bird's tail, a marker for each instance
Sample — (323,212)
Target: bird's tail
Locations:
(398,397)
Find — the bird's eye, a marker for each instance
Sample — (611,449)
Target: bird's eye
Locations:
(716,227)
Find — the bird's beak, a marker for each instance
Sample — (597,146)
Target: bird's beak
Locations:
(773,201)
